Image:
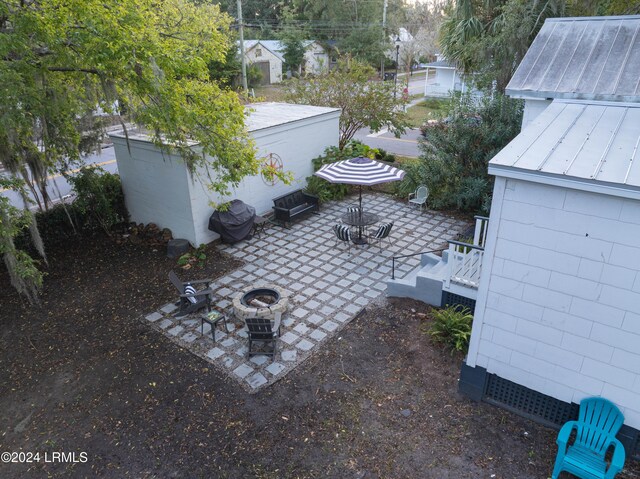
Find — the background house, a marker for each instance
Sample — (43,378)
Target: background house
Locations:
(268,56)
(159,189)
(264,55)
(447,79)
(557,317)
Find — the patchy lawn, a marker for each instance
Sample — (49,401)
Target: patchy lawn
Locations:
(85,374)
(429,109)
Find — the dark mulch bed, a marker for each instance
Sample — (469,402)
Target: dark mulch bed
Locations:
(86,374)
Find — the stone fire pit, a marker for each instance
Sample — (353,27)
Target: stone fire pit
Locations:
(260,302)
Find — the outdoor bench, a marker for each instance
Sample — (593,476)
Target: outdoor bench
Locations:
(294,205)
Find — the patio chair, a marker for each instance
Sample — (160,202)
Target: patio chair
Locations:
(595,433)
(381,233)
(192,299)
(343,233)
(419,197)
(259,330)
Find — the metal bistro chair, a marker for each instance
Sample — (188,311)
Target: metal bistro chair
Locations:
(343,233)
(419,197)
(381,233)
(598,422)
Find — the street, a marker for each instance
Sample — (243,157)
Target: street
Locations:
(58,185)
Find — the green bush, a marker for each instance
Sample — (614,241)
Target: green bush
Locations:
(452,327)
(99,198)
(457,150)
(327,191)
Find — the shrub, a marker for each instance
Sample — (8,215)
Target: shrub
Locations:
(457,150)
(327,191)
(452,327)
(99,198)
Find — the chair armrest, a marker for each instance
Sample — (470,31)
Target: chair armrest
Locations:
(563,436)
(411,195)
(279,208)
(311,198)
(200,281)
(617,461)
(204,292)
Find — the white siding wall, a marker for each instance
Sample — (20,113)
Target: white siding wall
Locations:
(275,64)
(532,108)
(559,302)
(316,59)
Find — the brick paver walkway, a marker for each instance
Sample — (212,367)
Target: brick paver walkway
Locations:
(328,286)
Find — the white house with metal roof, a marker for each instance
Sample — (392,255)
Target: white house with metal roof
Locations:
(268,56)
(557,316)
(159,189)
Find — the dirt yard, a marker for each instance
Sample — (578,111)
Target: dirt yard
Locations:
(85,374)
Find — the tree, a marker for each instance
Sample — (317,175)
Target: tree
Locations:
(456,152)
(363,103)
(490,38)
(294,49)
(60,60)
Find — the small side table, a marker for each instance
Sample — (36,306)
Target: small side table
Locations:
(259,225)
(213,323)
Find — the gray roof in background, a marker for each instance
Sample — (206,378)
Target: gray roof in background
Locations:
(274,46)
(584,141)
(440,64)
(590,58)
(269,114)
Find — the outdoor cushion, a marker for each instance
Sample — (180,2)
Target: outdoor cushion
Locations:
(189,289)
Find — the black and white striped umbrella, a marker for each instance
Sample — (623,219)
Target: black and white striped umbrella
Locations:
(359,171)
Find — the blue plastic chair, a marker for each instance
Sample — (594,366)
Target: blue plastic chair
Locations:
(596,429)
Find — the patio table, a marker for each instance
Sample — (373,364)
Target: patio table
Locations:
(360,220)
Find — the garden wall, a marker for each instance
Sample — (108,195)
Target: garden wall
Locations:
(559,301)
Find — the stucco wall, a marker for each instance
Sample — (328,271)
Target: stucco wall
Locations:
(559,301)
(159,189)
(156,186)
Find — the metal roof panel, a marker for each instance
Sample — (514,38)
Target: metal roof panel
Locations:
(582,140)
(590,58)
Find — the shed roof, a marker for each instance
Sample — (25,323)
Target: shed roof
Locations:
(440,64)
(260,116)
(592,143)
(270,114)
(590,58)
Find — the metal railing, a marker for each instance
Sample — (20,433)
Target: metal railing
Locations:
(465,263)
(393,259)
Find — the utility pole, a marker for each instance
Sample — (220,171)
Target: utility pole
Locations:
(242,59)
(384,33)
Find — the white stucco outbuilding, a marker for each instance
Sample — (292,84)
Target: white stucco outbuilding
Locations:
(159,189)
(557,317)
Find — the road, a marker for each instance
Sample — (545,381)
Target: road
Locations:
(407,144)
(58,186)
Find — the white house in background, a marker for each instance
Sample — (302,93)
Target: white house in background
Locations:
(159,189)
(268,56)
(445,80)
(264,55)
(557,316)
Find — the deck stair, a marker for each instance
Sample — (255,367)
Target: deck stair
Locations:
(457,271)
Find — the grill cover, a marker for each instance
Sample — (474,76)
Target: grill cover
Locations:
(234,224)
